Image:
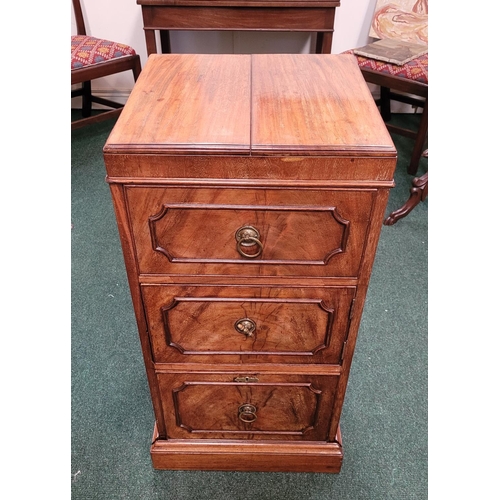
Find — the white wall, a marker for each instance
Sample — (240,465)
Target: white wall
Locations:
(121,21)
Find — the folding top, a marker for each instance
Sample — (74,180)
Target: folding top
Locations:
(265,104)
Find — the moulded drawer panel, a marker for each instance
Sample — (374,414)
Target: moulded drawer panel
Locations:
(290,231)
(247,325)
(217,406)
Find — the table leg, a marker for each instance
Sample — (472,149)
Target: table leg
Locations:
(324,42)
(150,42)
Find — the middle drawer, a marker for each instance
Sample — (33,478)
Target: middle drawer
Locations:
(238,324)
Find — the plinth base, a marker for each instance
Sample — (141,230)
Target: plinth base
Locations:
(264,456)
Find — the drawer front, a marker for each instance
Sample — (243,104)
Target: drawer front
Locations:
(247,232)
(218,406)
(247,324)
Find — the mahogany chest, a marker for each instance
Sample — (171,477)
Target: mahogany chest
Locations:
(249,192)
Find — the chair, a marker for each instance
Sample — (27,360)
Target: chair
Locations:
(93,58)
(408,84)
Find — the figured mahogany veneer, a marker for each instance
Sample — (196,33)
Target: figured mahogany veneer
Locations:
(199,324)
(249,203)
(195,230)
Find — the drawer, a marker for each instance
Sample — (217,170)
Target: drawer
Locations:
(248,232)
(209,324)
(269,406)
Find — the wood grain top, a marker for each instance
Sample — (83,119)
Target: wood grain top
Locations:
(188,103)
(261,104)
(313,104)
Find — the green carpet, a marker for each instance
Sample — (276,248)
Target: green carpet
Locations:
(384,420)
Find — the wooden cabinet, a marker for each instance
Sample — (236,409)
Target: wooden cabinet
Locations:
(249,193)
(310,16)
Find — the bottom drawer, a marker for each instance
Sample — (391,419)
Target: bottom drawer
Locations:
(247,406)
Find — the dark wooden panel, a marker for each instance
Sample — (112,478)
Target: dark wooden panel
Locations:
(244,18)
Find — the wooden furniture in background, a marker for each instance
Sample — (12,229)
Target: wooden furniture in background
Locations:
(404,21)
(249,204)
(408,84)
(93,58)
(401,21)
(315,16)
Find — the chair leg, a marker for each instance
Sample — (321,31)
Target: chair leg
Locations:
(418,193)
(385,103)
(86,99)
(136,70)
(418,147)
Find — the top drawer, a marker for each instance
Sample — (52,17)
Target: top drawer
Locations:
(241,231)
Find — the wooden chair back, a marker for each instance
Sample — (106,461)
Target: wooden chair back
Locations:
(119,58)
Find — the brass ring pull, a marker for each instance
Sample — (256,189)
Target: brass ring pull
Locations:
(247,255)
(248,236)
(247,413)
(245,326)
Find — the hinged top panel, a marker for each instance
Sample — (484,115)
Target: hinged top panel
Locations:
(189,103)
(251,105)
(314,104)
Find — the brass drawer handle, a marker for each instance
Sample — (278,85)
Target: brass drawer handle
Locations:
(247,413)
(248,236)
(245,326)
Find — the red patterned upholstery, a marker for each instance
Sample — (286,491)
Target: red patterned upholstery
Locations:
(416,69)
(86,50)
